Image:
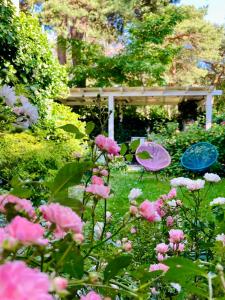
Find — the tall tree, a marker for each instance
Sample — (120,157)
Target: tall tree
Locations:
(200,43)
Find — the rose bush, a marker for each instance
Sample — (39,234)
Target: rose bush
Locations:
(71,248)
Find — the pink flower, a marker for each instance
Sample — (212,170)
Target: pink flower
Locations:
(149,211)
(91,296)
(158,267)
(20,205)
(180,247)
(107,144)
(127,246)
(97,180)
(133,210)
(221,238)
(101,191)
(172,194)
(18,282)
(59,284)
(63,217)
(176,235)
(78,238)
(195,185)
(179,203)
(169,221)
(108,235)
(160,257)
(104,172)
(26,232)
(133,230)
(162,248)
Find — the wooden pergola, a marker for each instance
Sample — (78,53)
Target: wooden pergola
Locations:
(143,96)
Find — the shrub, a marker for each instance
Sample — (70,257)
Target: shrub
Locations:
(33,160)
(177,143)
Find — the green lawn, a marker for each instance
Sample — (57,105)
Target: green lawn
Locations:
(122,182)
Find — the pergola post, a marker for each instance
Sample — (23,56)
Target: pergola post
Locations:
(111,116)
(208,107)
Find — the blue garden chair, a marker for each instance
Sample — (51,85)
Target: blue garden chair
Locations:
(199,157)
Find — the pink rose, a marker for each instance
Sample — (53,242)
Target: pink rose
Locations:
(20,205)
(101,191)
(63,217)
(26,232)
(91,296)
(107,144)
(158,267)
(162,248)
(169,221)
(160,257)
(172,193)
(127,246)
(133,210)
(104,172)
(78,238)
(181,247)
(97,180)
(149,211)
(59,284)
(176,235)
(17,282)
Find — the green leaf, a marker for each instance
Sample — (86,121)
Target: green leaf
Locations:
(69,175)
(74,265)
(90,127)
(63,199)
(144,155)
(180,269)
(134,144)
(72,129)
(129,157)
(116,265)
(21,192)
(123,149)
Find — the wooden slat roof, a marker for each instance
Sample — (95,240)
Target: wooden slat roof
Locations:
(139,95)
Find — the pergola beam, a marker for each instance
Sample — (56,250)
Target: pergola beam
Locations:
(142,96)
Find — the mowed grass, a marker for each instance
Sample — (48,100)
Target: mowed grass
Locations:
(123,181)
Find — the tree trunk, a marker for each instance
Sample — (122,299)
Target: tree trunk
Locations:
(61,50)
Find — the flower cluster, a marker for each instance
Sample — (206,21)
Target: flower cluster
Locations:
(191,185)
(107,144)
(27,114)
(20,205)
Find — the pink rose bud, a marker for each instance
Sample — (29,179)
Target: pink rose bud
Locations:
(133,210)
(108,216)
(60,284)
(133,230)
(108,235)
(169,221)
(127,246)
(104,173)
(78,238)
(160,257)
(181,247)
(172,194)
(179,203)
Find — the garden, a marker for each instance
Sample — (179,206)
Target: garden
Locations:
(85,216)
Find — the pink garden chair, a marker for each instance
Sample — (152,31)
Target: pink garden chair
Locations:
(159,157)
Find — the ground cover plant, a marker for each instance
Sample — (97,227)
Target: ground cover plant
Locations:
(168,246)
